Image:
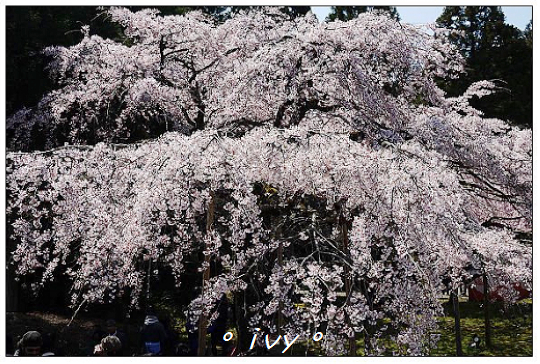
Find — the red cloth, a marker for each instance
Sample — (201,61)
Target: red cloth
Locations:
(476,291)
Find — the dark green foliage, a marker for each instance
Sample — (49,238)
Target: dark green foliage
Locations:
(296,11)
(345,13)
(529,33)
(493,51)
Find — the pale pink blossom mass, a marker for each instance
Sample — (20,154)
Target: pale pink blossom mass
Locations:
(384,190)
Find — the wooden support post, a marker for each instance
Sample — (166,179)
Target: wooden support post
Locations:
(148,279)
(487,320)
(280,310)
(347,274)
(201,350)
(457,322)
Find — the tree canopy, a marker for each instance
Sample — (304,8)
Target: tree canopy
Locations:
(314,169)
(29,29)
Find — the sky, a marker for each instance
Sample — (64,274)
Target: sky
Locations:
(519,16)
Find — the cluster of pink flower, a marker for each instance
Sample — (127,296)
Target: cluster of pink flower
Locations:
(376,200)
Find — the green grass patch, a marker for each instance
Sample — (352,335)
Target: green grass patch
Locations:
(511,329)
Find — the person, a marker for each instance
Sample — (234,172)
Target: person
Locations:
(112,330)
(109,346)
(29,345)
(182,349)
(153,335)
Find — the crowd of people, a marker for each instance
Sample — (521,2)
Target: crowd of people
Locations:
(155,339)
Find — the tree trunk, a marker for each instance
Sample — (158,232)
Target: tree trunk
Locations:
(201,350)
(367,341)
(243,337)
(487,321)
(457,323)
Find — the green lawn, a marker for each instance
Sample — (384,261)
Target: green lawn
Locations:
(511,330)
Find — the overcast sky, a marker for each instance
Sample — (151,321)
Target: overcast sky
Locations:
(518,16)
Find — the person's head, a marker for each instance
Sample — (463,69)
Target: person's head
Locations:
(111,326)
(109,346)
(150,311)
(30,344)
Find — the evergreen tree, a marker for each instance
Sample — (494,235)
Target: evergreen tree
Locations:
(529,33)
(493,50)
(296,11)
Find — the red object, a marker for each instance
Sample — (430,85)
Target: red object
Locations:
(476,291)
